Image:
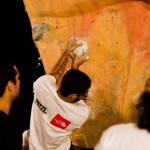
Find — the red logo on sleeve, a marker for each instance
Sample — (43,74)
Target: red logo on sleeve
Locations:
(60,122)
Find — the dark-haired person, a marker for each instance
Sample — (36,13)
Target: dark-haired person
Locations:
(21,49)
(129,136)
(58,111)
(10,135)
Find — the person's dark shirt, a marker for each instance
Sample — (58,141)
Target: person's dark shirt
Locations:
(10,135)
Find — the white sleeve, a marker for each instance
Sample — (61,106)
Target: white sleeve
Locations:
(44,85)
(107,139)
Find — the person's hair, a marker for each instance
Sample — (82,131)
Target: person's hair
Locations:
(74,82)
(7,73)
(144,118)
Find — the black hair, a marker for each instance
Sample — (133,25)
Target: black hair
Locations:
(7,73)
(74,82)
(144,118)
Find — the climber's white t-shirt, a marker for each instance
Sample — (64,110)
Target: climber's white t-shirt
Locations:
(124,137)
(52,119)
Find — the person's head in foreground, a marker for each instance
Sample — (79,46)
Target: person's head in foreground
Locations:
(9,84)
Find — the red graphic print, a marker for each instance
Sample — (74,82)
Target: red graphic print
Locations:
(60,122)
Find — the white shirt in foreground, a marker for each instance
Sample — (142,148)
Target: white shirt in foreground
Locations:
(124,137)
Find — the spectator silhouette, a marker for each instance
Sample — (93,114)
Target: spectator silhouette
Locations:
(130,136)
(16,38)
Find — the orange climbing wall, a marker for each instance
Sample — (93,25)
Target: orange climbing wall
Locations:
(118,36)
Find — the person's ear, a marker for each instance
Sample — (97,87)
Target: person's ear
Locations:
(10,86)
(73,96)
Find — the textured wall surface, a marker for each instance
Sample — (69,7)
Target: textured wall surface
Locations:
(118,37)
